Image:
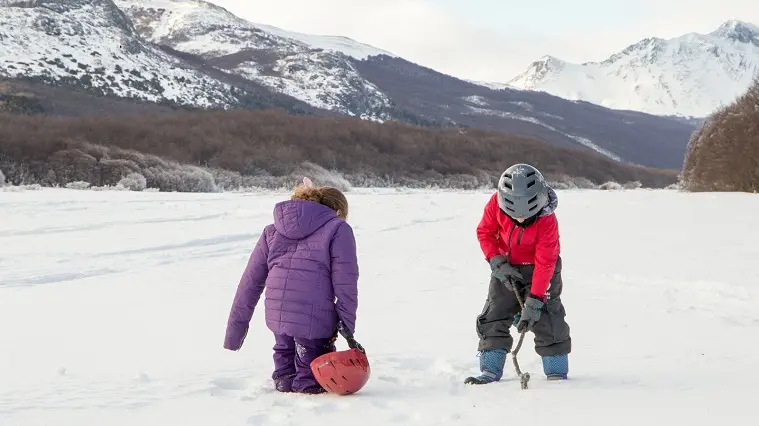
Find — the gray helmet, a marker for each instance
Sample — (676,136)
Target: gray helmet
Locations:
(522,191)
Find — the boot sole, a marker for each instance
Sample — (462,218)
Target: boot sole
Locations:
(476,381)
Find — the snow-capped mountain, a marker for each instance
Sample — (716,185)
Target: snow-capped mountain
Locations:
(626,136)
(689,76)
(92,44)
(194,54)
(316,70)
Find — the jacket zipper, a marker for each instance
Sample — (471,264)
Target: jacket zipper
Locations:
(508,246)
(519,241)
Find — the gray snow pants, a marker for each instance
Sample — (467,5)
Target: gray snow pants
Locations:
(551,331)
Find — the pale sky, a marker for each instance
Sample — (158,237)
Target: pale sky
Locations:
(494,40)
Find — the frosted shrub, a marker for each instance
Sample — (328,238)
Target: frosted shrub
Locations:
(610,186)
(321,176)
(22,188)
(633,185)
(571,182)
(170,176)
(561,185)
(107,188)
(79,185)
(462,181)
(196,179)
(2,179)
(133,182)
(228,180)
(583,183)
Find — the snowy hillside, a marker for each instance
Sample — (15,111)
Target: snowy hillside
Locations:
(339,44)
(195,54)
(90,43)
(114,307)
(291,63)
(627,136)
(691,75)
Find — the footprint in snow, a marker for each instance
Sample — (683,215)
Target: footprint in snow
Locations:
(262,419)
(227,387)
(388,379)
(229,383)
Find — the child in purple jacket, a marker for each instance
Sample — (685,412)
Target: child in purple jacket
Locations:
(305,260)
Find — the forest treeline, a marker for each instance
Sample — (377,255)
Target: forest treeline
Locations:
(202,151)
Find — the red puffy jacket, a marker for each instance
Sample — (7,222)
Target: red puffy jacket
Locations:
(537,244)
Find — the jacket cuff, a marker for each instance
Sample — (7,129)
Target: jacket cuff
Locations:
(542,298)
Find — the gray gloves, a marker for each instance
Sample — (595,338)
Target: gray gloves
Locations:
(503,271)
(530,314)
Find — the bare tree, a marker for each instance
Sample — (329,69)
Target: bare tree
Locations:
(723,155)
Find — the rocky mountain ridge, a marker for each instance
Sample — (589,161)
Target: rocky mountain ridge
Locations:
(690,76)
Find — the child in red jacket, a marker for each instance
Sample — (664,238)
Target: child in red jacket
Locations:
(519,236)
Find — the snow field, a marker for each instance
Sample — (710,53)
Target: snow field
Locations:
(113,308)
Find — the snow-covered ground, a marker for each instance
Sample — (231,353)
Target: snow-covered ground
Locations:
(113,307)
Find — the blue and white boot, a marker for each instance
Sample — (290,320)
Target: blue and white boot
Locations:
(556,367)
(491,366)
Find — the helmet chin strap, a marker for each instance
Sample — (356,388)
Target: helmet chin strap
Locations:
(527,222)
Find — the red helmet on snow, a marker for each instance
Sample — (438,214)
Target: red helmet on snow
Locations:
(343,372)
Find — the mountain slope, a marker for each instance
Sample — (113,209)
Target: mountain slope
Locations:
(294,64)
(691,75)
(91,45)
(621,135)
(30,97)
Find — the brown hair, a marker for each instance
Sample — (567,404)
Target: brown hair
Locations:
(326,195)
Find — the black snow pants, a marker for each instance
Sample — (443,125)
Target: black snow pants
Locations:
(551,331)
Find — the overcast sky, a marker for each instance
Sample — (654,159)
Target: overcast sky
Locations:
(494,40)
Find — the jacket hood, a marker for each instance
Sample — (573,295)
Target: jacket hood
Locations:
(297,219)
(552,204)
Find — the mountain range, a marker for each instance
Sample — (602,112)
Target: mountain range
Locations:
(77,57)
(691,75)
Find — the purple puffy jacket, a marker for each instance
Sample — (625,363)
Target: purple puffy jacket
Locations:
(304,260)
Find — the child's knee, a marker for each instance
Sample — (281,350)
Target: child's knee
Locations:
(552,336)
